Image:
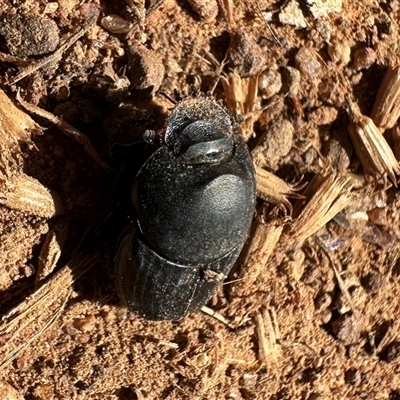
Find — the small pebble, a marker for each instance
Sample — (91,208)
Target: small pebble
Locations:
(269,83)
(51,7)
(206,9)
(364,58)
(249,380)
(338,149)
(29,35)
(324,29)
(378,216)
(291,14)
(244,55)
(345,329)
(306,61)
(116,24)
(339,51)
(28,270)
(325,316)
(278,142)
(146,69)
(89,10)
(291,79)
(321,8)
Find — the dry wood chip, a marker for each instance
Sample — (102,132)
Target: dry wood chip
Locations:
(326,197)
(227,7)
(372,148)
(275,190)
(264,237)
(241,97)
(51,250)
(395,133)
(20,326)
(386,110)
(15,126)
(24,193)
(268,348)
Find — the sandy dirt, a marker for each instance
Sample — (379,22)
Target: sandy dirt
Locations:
(319,321)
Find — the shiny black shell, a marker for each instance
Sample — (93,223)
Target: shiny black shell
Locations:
(192,205)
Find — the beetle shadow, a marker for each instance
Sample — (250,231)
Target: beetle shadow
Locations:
(84,195)
(128,152)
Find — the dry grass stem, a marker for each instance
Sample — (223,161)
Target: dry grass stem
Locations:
(347,295)
(326,197)
(24,193)
(15,351)
(272,32)
(264,237)
(51,251)
(386,110)
(24,323)
(358,319)
(215,314)
(372,148)
(167,343)
(241,97)
(54,57)
(275,190)
(9,58)
(226,7)
(268,348)
(66,128)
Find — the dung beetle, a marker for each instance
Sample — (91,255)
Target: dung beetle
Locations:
(190,208)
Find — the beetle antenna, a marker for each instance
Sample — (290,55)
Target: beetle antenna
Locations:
(193,91)
(178,95)
(173,101)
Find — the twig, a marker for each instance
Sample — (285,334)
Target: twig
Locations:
(48,324)
(262,341)
(65,127)
(270,29)
(8,58)
(215,314)
(35,65)
(343,288)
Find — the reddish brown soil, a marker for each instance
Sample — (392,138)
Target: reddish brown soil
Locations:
(326,347)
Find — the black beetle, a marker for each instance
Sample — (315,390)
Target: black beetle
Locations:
(191,206)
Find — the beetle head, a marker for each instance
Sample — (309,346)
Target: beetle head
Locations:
(200,131)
